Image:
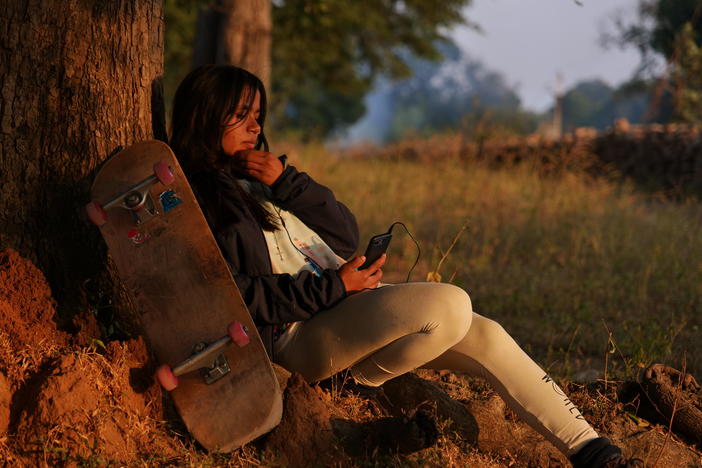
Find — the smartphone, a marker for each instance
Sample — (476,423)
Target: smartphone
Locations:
(376,247)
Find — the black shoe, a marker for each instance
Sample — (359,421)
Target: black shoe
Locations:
(601,453)
(621,462)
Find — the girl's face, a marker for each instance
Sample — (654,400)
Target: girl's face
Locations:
(242,127)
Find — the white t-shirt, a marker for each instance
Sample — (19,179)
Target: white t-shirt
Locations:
(295,247)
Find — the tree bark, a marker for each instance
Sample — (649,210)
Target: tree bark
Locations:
(236,32)
(78,80)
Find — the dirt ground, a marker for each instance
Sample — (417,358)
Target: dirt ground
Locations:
(68,399)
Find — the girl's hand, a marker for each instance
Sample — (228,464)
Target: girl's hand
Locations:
(260,165)
(358,280)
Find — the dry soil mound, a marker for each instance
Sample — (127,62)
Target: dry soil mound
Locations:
(28,333)
(66,404)
(67,401)
(86,408)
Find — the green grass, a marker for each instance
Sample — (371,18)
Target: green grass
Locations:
(558,261)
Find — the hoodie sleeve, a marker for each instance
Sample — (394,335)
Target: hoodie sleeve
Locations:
(279,298)
(271,298)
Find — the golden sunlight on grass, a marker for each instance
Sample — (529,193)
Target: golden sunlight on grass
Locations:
(558,260)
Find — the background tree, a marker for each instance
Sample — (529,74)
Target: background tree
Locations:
(78,79)
(236,32)
(687,76)
(326,53)
(587,105)
(336,48)
(459,92)
(594,103)
(670,30)
(180,18)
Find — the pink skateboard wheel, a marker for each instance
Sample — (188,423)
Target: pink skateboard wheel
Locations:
(96,214)
(163,173)
(165,377)
(238,334)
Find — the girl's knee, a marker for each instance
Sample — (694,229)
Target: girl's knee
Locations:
(452,306)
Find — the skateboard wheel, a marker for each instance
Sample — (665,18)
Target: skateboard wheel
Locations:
(238,334)
(96,214)
(163,173)
(165,377)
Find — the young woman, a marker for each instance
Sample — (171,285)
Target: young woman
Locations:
(286,239)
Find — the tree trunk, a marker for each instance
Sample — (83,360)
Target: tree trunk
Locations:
(78,80)
(236,32)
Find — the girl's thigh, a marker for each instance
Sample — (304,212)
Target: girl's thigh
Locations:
(366,322)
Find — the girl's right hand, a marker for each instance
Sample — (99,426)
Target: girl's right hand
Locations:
(357,280)
(260,165)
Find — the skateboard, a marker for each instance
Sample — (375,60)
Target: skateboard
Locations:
(191,312)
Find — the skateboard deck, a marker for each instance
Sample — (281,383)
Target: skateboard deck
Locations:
(227,393)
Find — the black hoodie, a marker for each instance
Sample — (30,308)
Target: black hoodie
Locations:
(274,299)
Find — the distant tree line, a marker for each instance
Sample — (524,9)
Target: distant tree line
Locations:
(594,103)
(460,93)
(328,55)
(325,54)
(457,93)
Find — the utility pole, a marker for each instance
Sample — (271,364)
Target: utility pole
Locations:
(558,108)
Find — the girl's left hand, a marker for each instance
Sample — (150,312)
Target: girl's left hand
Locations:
(260,165)
(356,280)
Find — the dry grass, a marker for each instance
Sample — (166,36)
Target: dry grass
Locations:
(577,268)
(555,259)
(21,363)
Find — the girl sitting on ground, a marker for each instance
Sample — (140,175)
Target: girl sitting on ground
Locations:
(286,239)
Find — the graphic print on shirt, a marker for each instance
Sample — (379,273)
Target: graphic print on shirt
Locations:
(316,251)
(295,247)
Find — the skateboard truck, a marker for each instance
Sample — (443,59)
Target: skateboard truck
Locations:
(136,199)
(206,358)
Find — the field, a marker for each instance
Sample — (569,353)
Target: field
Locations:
(594,278)
(591,277)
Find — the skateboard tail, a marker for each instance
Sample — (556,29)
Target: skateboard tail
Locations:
(273,419)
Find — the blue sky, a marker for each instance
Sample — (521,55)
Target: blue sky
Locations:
(531,41)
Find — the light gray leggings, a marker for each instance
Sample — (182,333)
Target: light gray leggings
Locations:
(382,333)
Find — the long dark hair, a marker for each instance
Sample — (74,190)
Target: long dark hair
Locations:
(205,99)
